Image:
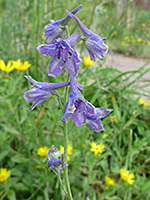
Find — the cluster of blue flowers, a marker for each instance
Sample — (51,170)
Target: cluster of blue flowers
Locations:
(67,59)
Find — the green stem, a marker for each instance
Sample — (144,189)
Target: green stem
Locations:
(65,158)
(66,148)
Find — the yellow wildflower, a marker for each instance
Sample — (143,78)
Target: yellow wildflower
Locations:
(87,61)
(21,66)
(139,40)
(143,24)
(83,145)
(142,102)
(148,42)
(104,135)
(131,36)
(126,38)
(126,176)
(43,36)
(122,44)
(4,174)
(114,119)
(109,181)
(38,166)
(6,68)
(69,150)
(148,29)
(30,25)
(97,149)
(43,151)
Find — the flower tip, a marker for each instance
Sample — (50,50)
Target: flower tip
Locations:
(69,13)
(110,110)
(80,6)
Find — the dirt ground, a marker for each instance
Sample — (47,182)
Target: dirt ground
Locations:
(124,64)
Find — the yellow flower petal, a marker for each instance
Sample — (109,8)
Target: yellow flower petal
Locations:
(126,176)
(97,149)
(43,151)
(69,151)
(142,102)
(87,61)
(2,65)
(139,40)
(109,181)
(4,174)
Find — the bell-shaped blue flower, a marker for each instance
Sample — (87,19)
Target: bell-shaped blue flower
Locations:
(93,43)
(55,160)
(75,106)
(81,111)
(94,119)
(65,58)
(41,91)
(58,29)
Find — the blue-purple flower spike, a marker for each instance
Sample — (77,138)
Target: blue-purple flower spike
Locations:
(65,57)
(58,29)
(41,91)
(93,43)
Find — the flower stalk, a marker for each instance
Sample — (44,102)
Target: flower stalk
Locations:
(65,158)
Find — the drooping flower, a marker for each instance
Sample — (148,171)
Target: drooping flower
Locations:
(93,118)
(81,111)
(4,174)
(93,43)
(41,91)
(87,61)
(18,65)
(64,56)
(69,150)
(43,151)
(126,176)
(58,29)
(97,149)
(6,68)
(55,160)
(109,181)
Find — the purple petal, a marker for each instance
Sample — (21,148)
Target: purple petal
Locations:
(83,28)
(103,112)
(73,38)
(78,117)
(66,19)
(95,125)
(36,103)
(46,86)
(91,54)
(55,67)
(48,50)
(34,94)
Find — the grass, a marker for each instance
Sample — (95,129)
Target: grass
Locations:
(127,143)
